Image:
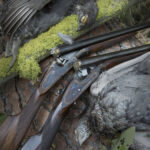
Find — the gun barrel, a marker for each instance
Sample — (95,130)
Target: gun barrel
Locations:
(101,46)
(100,38)
(101,58)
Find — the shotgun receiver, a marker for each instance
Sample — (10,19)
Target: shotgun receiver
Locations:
(14,128)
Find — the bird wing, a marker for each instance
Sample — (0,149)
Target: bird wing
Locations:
(20,12)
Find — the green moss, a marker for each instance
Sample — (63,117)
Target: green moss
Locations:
(4,67)
(2,118)
(135,14)
(31,53)
(30,68)
(109,7)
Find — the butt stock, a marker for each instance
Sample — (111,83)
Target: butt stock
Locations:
(14,128)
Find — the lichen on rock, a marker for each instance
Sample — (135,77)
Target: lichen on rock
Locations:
(109,7)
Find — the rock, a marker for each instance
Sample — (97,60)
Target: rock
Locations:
(141,141)
(82,133)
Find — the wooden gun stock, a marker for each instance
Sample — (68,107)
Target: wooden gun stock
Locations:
(14,128)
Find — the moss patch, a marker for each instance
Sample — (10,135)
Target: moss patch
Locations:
(2,118)
(4,67)
(136,14)
(109,7)
(29,55)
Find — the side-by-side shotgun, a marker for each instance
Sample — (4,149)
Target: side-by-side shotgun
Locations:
(14,128)
(72,93)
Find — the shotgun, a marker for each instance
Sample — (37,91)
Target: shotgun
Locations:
(101,58)
(72,93)
(97,39)
(14,128)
